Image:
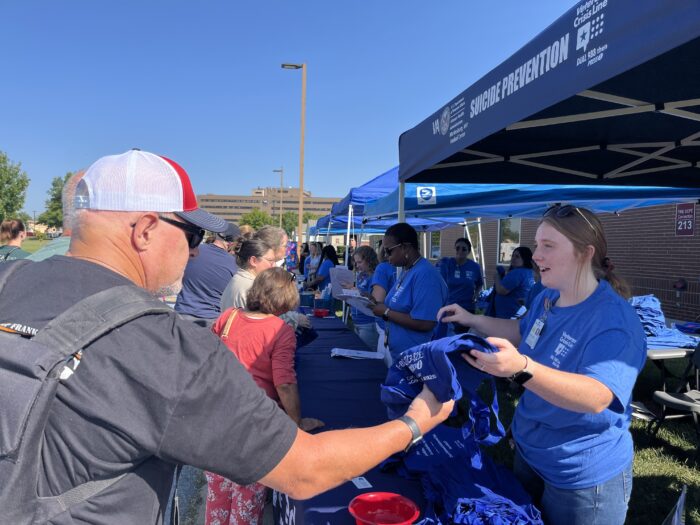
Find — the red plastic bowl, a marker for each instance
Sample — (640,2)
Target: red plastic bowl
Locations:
(321,312)
(383,508)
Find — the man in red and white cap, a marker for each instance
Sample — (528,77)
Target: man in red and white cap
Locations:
(162,391)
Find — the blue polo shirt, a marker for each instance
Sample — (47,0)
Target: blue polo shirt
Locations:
(420,292)
(384,276)
(324,270)
(462,280)
(364,284)
(601,338)
(518,281)
(206,277)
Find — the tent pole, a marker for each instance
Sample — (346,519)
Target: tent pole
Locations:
(481,250)
(402,195)
(347,238)
(467,234)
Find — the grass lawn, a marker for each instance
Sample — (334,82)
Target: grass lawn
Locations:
(31,245)
(662,465)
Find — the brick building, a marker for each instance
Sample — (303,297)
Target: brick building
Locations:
(642,244)
(269,200)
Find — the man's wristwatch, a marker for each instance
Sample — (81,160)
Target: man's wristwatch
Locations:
(416,434)
(524,375)
(385,315)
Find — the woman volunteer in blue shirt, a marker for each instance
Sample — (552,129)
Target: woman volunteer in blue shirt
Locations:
(579,350)
(365,259)
(463,278)
(411,306)
(383,279)
(513,288)
(329,259)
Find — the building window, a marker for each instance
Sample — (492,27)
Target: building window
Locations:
(508,239)
(434,245)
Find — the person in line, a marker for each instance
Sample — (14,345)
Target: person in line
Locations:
(12,235)
(302,258)
(265,346)
(383,279)
(366,262)
(254,256)
(206,277)
(163,391)
(329,259)
(512,289)
(577,352)
(350,252)
(277,239)
(463,278)
(411,305)
(312,261)
(59,245)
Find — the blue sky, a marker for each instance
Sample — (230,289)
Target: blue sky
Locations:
(201,83)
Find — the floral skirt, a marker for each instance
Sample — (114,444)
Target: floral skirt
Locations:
(229,503)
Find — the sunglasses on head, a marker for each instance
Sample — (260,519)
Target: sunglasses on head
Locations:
(193,234)
(564,211)
(391,248)
(292,276)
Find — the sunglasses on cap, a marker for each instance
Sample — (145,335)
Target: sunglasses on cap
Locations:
(391,248)
(564,211)
(193,234)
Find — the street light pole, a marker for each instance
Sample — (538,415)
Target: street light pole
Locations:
(281,172)
(301,152)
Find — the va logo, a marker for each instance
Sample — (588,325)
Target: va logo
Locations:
(445,120)
(426,195)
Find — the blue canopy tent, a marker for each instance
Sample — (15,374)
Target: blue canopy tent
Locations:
(519,200)
(374,189)
(607,94)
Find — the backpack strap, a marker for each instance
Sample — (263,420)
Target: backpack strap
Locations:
(94,316)
(5,257)
(9,269)
(229,322)
(82,324)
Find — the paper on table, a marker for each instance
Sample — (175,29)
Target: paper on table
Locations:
(355,354)
(340,276)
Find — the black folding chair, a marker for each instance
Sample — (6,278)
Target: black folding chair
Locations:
(685,399)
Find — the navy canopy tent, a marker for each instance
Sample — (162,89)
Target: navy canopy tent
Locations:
(608,94)
(519,200)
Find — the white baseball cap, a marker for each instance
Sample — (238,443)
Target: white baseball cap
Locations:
(142,181)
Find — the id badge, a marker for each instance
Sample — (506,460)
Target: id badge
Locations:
(534,334)
(458,274)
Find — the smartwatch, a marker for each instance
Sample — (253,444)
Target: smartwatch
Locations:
(385,315)
(416,434)
(524,375)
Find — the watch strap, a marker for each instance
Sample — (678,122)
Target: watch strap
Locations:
(416,434)
(524,375)
(385,315)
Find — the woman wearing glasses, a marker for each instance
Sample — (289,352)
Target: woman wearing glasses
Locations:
(513,288)
(265,345)
(577,352)
(411,305)
(329,259)
(463,278)
(253,257)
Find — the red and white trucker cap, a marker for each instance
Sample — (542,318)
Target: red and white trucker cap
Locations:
(141,181)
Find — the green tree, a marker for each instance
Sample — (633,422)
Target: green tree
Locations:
(308,216)
(13,187)
(53,215)
(257,219)
(289,221)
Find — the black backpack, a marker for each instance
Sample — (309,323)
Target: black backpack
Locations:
(29,377)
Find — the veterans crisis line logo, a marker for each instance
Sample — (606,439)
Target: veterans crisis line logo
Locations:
(445,120)
(426,195)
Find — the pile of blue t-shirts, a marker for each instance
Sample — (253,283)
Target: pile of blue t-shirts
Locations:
(461,485)
(648,309)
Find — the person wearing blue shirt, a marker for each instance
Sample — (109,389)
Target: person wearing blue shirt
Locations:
(463,278)
(536,288)
(329,259)
(365,259)
(579,351)
(512,289)
(383,279)
(411,305)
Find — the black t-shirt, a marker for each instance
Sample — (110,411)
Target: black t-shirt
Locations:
(158,391)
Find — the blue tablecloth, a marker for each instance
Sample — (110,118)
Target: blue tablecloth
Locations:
(343,393)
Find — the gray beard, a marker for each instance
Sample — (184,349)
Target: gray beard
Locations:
(170,289)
